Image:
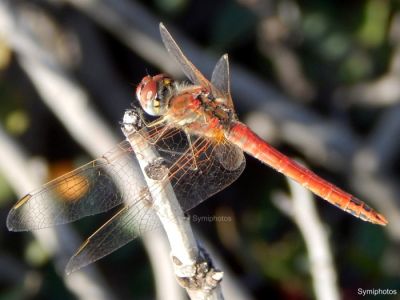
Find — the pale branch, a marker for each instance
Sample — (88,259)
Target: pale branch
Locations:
(301,208)
(192,270)
(160,249)
(232,288)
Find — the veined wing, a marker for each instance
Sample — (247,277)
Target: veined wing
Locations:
(91,189)
(220,81)
(127,224)
(194,175)
(194,75)
(200,168)
(219,86)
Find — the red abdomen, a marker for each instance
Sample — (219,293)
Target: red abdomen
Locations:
(252,144)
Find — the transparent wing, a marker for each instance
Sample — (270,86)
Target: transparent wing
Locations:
(220,75)
(203,169)
(131,221)
(195,174)
(220,80)
(88,190)
(194,75)
(196,170)
(198,166)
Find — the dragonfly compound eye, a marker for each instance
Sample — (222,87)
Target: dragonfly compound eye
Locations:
(152,94)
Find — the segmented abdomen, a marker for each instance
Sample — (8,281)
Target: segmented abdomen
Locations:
(252,144)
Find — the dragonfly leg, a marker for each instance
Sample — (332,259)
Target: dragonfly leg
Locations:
(133,122)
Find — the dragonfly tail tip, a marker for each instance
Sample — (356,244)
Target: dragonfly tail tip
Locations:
(381,220)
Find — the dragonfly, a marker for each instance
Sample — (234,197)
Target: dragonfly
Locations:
(201,145)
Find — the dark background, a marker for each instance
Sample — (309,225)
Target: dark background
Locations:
(317,79)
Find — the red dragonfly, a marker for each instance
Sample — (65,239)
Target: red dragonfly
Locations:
(200,142)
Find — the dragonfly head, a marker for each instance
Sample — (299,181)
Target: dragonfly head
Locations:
(152,94)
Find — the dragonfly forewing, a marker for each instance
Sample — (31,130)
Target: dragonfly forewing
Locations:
(194,75)
(91,189)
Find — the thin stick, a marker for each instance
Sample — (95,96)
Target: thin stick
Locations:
(186,256)
(301,208)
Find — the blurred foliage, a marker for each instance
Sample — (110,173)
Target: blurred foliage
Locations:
(171,6)
(5,191)
(372,31)
(17,122)
(226,33)
(5,55)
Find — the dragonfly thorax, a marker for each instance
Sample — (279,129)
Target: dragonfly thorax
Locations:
(196,111)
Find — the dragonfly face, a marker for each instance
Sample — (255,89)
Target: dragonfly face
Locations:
(152,92)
